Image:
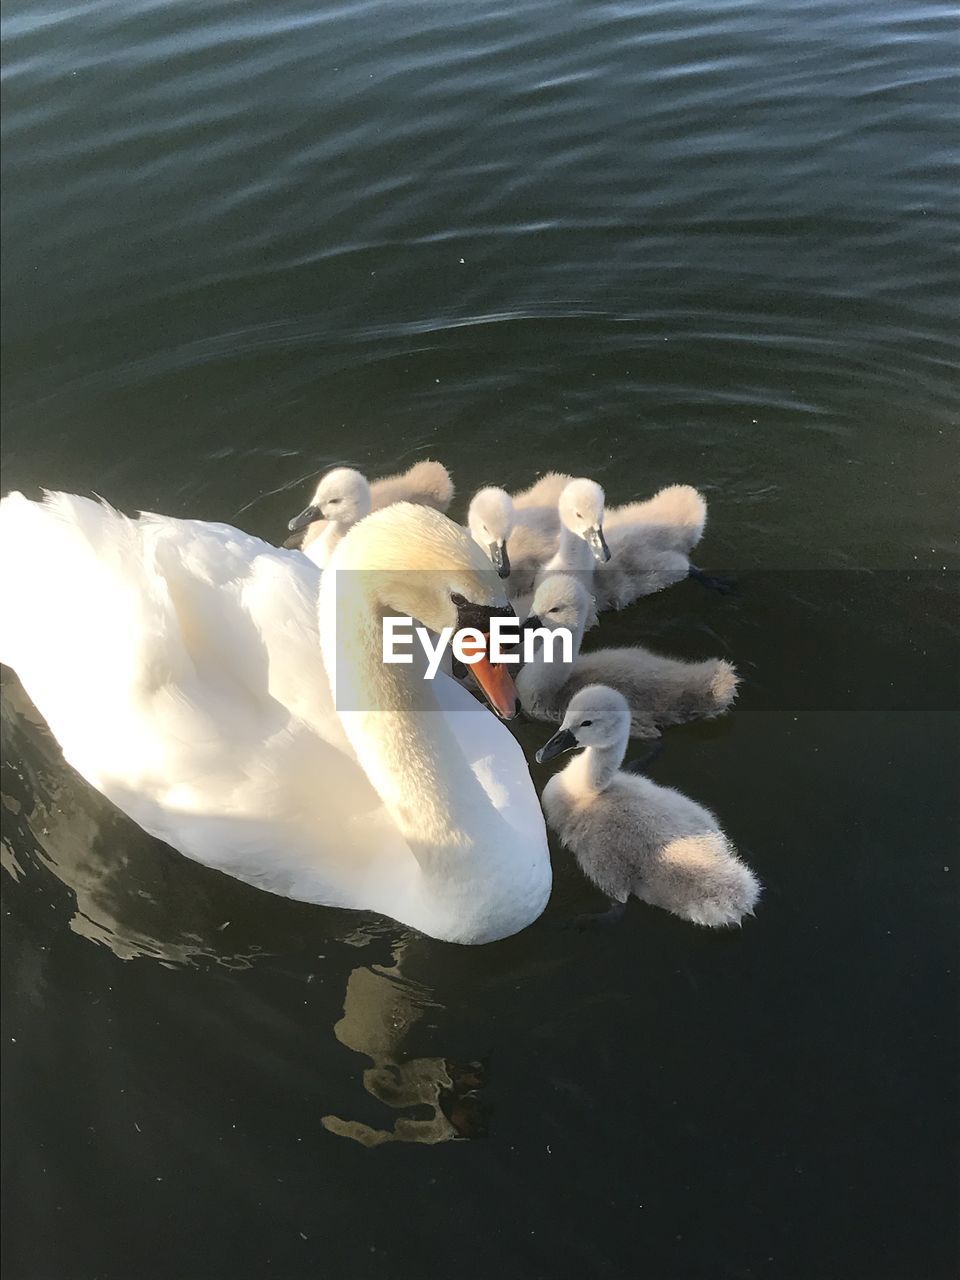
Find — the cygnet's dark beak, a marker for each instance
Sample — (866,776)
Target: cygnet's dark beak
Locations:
(529,624)
(306,516)
(598,544)
(501,561)
(562,740)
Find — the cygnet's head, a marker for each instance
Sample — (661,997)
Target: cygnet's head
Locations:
(342,495)
(581,510)
(561,601)
(596,716)
(490,521)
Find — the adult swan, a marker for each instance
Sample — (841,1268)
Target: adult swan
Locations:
(186,670)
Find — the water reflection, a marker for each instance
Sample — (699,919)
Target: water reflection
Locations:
(380,1007)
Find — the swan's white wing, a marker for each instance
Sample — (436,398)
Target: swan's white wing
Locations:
(178,665)
(116,622)
(217,575)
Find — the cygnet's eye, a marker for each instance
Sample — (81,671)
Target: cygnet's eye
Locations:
(579,516)
(555,609)
(332,502)
(585,724)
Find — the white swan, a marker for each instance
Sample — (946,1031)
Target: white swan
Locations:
(582,544)
(659,691)
(179,666)
(524,545)
(344,496)
(516,548)
(490,521)
(631,836)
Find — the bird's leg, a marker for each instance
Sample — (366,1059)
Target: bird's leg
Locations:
(707,580)
(590,919)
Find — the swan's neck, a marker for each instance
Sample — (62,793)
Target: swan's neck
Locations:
(392,717)
(411,756)
(330,538)
(594,769)
(335,532)
(573,554)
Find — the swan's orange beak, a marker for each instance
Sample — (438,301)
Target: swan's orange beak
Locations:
(495,680)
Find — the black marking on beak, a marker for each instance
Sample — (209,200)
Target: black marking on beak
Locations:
(470,614)
(529,624)
(501,561)
(598,544)
(306,516)
(562,740)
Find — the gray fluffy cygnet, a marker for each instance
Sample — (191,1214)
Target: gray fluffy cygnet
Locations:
(630,836)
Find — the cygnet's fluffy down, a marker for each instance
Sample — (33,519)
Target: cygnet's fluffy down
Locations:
(426,483)
(630,836)
(650,545)
(527,542)
(649,542)
(660,691)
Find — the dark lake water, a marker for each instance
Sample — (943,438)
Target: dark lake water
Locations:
(646,242)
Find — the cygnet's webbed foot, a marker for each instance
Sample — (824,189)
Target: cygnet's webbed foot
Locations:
(723,585)
(591,919)
(641,765)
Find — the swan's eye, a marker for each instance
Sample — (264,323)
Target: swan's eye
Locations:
(458,599)
(555,609)
(332,502)
(579,516)
(585,724)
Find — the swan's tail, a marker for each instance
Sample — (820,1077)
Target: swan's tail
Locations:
(78,595)
(710,690)
(674,518)
(430,484)
(701,879)
(426,484)
(544,492)
(672,691)
(39,549)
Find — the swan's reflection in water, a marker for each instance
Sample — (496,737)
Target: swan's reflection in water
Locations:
(379,1008)
(129,894)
